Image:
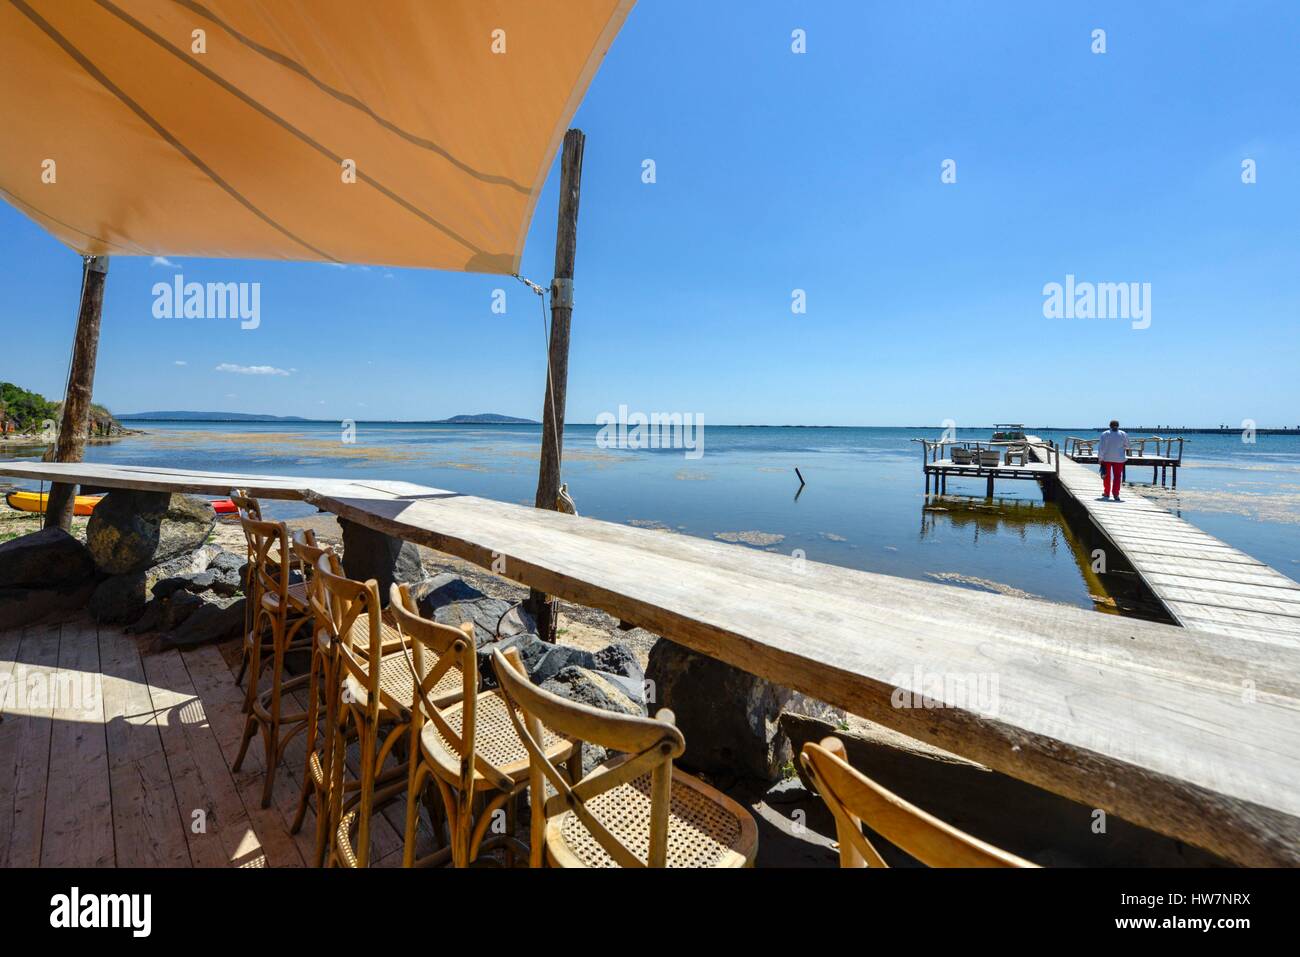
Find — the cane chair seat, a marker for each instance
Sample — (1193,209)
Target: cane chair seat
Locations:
(705,827)
(298,595)
(396,687)
(390,638)
(495,739)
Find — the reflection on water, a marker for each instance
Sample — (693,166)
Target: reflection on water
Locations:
(1112,586)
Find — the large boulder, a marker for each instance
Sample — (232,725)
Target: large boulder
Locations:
(432,593)
(592,688)
(483,613)
(119,599)
(46,559)
(131,531)
(370,554)
(24,605)
(541,659)
(729,717)
(166,612)
(217,619)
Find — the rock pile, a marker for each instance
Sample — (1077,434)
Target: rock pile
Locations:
(42,573)
(145,564)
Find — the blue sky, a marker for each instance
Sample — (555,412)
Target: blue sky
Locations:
(820,172)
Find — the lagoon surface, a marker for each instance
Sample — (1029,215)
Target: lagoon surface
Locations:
(863,506)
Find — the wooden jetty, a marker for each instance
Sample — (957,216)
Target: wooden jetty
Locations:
(1144,720)
(1202,582)
(989,461)
(1162,454)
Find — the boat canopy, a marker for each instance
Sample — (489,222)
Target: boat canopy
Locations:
(403,133)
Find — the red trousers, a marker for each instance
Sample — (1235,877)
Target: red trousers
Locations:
(1111,476)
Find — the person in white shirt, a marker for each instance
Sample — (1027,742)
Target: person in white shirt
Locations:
(1112,452)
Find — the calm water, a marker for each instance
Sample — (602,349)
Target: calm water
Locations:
(863,506)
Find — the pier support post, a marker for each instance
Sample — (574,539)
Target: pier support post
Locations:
(557,365)
(75,421)
(989,492)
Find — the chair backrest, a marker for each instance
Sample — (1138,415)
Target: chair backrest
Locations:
(306,553)
(989,456)
(962,456)
(434,649)
(248,506)
(251,509)
(852,798)
(342,602)
(269,558)
(650,745)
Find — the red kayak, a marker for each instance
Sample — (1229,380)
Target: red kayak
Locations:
(224,506)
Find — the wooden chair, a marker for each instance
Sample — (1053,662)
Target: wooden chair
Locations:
(852,798)
(962,456)
(463,742)
(375,690)
(280,607)
(248,508)
(322,689)
(989,458)
(636,810)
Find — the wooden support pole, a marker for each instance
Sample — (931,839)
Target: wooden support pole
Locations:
(557,366)
(71,443)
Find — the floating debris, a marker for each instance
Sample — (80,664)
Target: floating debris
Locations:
(832,537)
(759,539)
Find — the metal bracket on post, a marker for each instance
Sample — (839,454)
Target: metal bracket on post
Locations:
(95,263)
(562,293)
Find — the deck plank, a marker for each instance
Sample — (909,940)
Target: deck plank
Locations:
(78,827)
(222,703)
(214,822)
(25,747)
(147,824)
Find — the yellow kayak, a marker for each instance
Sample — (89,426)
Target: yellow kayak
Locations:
(35,502)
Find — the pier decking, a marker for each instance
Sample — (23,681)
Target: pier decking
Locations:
(1202,582)
(110,757)
(1144,720)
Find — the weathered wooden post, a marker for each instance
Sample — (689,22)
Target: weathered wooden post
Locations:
(557,363)
(71,444)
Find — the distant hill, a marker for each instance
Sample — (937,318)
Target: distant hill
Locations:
(211,417)
(484,418)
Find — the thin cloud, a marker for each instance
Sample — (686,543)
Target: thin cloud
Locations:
(180,362)
(163,261)
(251,370)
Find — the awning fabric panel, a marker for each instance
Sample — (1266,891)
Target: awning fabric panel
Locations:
(239,151)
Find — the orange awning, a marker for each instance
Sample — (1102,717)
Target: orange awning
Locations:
(127,132)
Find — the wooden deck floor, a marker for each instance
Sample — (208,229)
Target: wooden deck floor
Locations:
(113,757)
(1203,582)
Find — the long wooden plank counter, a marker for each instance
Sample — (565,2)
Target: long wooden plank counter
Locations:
(1191,734)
